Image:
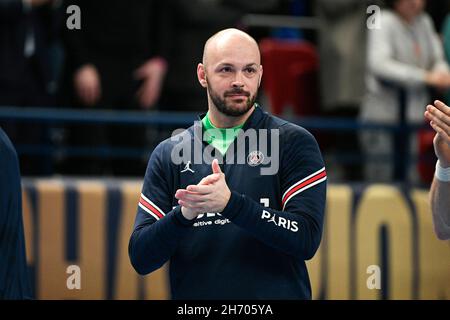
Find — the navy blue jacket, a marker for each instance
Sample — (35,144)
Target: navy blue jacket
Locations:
(14,281)
(257,246)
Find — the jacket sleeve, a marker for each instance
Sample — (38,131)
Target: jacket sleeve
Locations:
(296,229)
(158,226)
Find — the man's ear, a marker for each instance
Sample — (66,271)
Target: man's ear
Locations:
(201,75)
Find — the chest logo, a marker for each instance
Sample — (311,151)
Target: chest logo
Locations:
(187,167)
(255,158)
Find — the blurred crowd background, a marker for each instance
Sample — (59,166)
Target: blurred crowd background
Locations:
(95,101)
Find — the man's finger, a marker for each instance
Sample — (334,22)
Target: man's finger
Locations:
(190,205)
(438,118)
(192,197)
(442,133)
(215,166)
(182,192)
(200,189)
(439,114)
(428,113)
(442,107)
(434,114)
(212,178)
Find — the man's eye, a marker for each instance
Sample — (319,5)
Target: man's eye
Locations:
(225,69)
(250,70)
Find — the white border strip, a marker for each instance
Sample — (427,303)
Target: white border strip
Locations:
(296,184)
(304,188)
(148,211)
(154,205)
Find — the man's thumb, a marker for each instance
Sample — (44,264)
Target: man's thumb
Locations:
(215,166)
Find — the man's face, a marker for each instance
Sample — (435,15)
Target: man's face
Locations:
(410,8)
(232,76)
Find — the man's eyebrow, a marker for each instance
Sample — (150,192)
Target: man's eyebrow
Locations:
(226,64)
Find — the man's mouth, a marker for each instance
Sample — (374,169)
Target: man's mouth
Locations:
(237,94)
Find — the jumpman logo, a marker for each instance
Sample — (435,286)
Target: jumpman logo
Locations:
(187,168)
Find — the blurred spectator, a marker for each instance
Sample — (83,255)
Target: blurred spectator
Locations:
(195,22)
(28,28)
(405,58)
(117,60)
(342,42)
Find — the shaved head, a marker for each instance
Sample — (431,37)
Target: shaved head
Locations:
(229,39)
(231,73)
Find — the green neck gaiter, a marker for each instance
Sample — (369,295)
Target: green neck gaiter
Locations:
(219,138)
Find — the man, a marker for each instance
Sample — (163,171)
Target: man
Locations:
(14,282)
(240,232)
(439,117)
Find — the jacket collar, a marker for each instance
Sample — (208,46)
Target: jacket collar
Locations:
(251,121)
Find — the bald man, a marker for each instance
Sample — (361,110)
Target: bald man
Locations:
(235,202)
(439,117)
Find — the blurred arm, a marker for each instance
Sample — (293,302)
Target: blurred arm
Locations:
(440,207)
(439,117)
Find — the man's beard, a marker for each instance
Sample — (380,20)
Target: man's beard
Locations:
(228,109)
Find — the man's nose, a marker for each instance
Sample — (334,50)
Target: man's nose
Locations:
(238,81)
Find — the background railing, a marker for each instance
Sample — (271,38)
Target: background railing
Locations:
(55,120)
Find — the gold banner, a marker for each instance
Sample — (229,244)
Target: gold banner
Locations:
(378,243)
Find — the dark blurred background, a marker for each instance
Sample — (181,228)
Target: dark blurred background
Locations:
(95,101)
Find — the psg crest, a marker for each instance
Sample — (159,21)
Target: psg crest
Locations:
(255,158)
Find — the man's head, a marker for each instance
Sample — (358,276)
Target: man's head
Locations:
(231,71)
(408,9)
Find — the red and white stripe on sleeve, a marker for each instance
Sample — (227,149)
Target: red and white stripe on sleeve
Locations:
(150,207)
(304,184)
